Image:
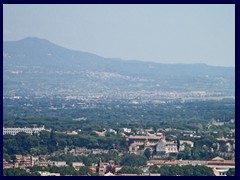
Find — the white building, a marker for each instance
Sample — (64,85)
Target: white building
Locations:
(45,173)
(77,164)
(126,130)
(14,131)
(166,147)
(59,163)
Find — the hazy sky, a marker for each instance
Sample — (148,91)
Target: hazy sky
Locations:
(158,33)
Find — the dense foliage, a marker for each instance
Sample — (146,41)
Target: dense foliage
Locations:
(231,172)
(18,172)
(116,114)
(47,142)
(87,160)
(133,160)
(187,170)
(130,170)
(147,153)
(63,170)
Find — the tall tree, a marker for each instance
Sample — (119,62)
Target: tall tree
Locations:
(147,153)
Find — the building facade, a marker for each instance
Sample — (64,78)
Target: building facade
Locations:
(163,147)
(14,131)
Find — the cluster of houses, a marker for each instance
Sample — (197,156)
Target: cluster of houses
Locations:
(24,162)
(157,144)
(219,165)
(84,151)
(138,142)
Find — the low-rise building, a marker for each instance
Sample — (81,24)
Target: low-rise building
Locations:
(80,151)
(140,140)
(77,165)
(99,151)
(164,147)
(45,163)
(72,133)
(7,165)
(126,130)
(14,131)
(183,143)
(104,168)
(109,131)
(59,163)
(46,173)
(133,148)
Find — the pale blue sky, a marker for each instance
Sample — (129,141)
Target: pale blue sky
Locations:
(158,33)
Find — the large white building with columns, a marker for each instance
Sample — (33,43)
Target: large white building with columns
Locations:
(14,131)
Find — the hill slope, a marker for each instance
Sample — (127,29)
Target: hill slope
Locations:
(36,66)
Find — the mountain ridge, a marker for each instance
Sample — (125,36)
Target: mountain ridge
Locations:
(40,65)
(45,41)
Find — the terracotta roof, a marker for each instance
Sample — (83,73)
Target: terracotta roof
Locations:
(145,137)
(185,141)
(225,162)
(163,162)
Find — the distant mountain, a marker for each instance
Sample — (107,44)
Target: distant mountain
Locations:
(36,66)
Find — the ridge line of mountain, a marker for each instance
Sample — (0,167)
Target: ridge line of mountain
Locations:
(42,40)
